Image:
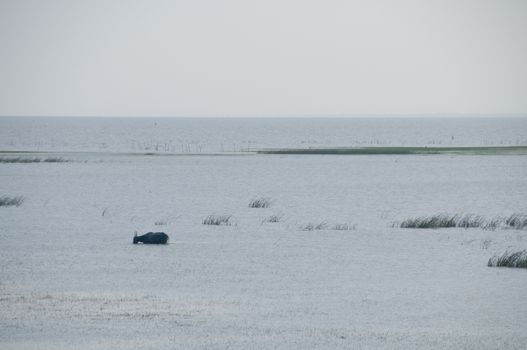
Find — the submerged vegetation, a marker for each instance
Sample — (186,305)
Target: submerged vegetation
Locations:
(516,221)
(508,259)
(311,226)
(217,220)
(33,160)
(326,226)
(6,201)
(263,202)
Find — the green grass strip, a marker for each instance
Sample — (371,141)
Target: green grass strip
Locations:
(496,150)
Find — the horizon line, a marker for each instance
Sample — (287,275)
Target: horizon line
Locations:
(296,116)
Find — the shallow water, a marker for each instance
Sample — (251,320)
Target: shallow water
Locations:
(71,277)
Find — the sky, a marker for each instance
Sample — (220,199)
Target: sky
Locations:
(262,58)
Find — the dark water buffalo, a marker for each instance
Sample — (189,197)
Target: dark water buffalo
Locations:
(151,238)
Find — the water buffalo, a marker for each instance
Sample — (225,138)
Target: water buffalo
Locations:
(151,238)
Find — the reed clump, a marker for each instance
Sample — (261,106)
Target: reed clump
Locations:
(217,220)
(509,259)
(273,218)
(515,221)
(263,202)
(6,201)
(435,221)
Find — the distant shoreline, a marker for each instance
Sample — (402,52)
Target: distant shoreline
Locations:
(477,150)
(425,116)
(469,150)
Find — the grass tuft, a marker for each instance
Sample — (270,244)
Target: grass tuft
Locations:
(470,221)
(311,226)
(491,224)
(517,221)
(435,221)
(508,259)
(273,218)
(343,227)
(263,202)
(217,220)
(324,225)
(6,201)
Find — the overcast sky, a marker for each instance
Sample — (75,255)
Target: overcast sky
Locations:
(262,58)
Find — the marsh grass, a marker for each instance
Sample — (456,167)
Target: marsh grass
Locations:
(324,225)
(263,202)
(311,226)
(6,201)
(273,218)
(33,160)
(492,224)
(217,220)
(470,220)
(343,227)
(509,259)
(515,221)
(435,221)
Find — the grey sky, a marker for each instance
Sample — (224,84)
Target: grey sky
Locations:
(262,58)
